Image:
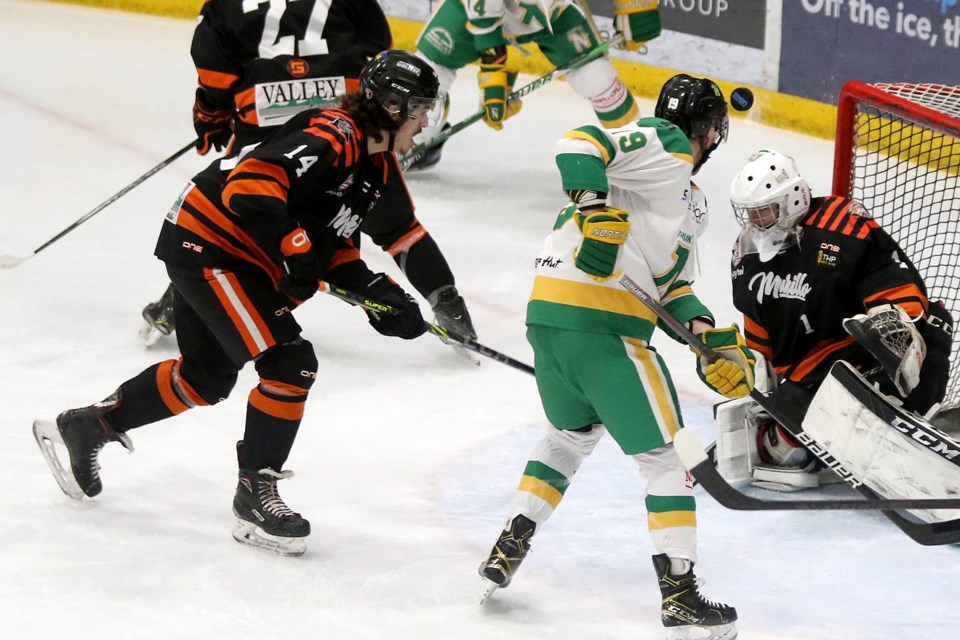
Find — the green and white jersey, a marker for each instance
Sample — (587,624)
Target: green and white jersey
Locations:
(500,19)
(645,168)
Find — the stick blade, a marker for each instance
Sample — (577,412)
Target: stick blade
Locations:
(689,448)
(9,262)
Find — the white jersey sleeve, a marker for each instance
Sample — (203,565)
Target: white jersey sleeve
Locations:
(645,169)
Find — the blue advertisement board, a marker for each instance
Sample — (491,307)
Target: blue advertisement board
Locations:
(828,42)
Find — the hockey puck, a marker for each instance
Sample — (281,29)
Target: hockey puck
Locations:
(741,99)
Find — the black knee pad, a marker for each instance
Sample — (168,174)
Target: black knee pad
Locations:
(213,385)
(586,429)
(291,363)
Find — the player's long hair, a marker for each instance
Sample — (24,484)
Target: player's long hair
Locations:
(372,119)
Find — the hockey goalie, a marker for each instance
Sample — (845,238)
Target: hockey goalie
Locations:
(853,348)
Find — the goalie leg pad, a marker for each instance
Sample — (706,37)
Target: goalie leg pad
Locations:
(875,451)
(736,452)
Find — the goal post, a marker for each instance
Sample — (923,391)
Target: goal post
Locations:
(898,152)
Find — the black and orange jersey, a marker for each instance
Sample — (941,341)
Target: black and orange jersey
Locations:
(272,60)
(315,173)
(794,304)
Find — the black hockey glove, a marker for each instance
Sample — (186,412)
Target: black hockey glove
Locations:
(214,125)
(406,321)
(301,268)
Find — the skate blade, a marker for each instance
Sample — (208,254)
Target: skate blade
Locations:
(250,534)
(693,632)
(47,435)
(470,356)
(489,587)
(149,334)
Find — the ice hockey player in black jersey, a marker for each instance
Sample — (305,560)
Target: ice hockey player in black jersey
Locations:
(258,65)
(244,247)
(818,280)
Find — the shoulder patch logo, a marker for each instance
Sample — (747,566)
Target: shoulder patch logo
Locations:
(856,208)
(343,125)
(441,39)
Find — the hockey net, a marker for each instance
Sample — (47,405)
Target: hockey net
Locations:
(898,152)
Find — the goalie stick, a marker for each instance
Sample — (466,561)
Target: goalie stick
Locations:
(710,479)
(448,337)
(417,151)
(9,262)
(696,459)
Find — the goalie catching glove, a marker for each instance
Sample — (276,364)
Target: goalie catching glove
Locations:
(887,332)
(732,374)
(603,233)
(496,83)
(637,21)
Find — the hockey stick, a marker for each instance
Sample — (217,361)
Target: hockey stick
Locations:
(697,461)
(9,262)
(448,337)
(418,150)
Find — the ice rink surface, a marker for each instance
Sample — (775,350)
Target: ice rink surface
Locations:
(408,455)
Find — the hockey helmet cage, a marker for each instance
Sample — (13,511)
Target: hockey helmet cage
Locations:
(769,190)
(769,197)
(404,85)
(694,105)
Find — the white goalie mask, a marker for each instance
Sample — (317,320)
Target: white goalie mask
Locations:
(769,197)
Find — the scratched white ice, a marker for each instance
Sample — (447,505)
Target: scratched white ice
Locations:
(408,455)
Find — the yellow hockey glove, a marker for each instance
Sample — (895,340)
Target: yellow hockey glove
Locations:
(603,233)
(732,375)
(637,21)
(496,83)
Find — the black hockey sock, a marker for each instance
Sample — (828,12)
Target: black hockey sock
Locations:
(147,398)
(272,424)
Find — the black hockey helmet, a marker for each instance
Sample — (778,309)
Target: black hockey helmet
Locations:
(404,85)
(694,105)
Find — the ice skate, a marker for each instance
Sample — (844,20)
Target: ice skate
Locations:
(83,433)
(264,519)
(685,612)
(507,554)
(158,319)
(450,312)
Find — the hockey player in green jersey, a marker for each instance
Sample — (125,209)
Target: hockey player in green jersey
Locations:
(631,213)
(461,32)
